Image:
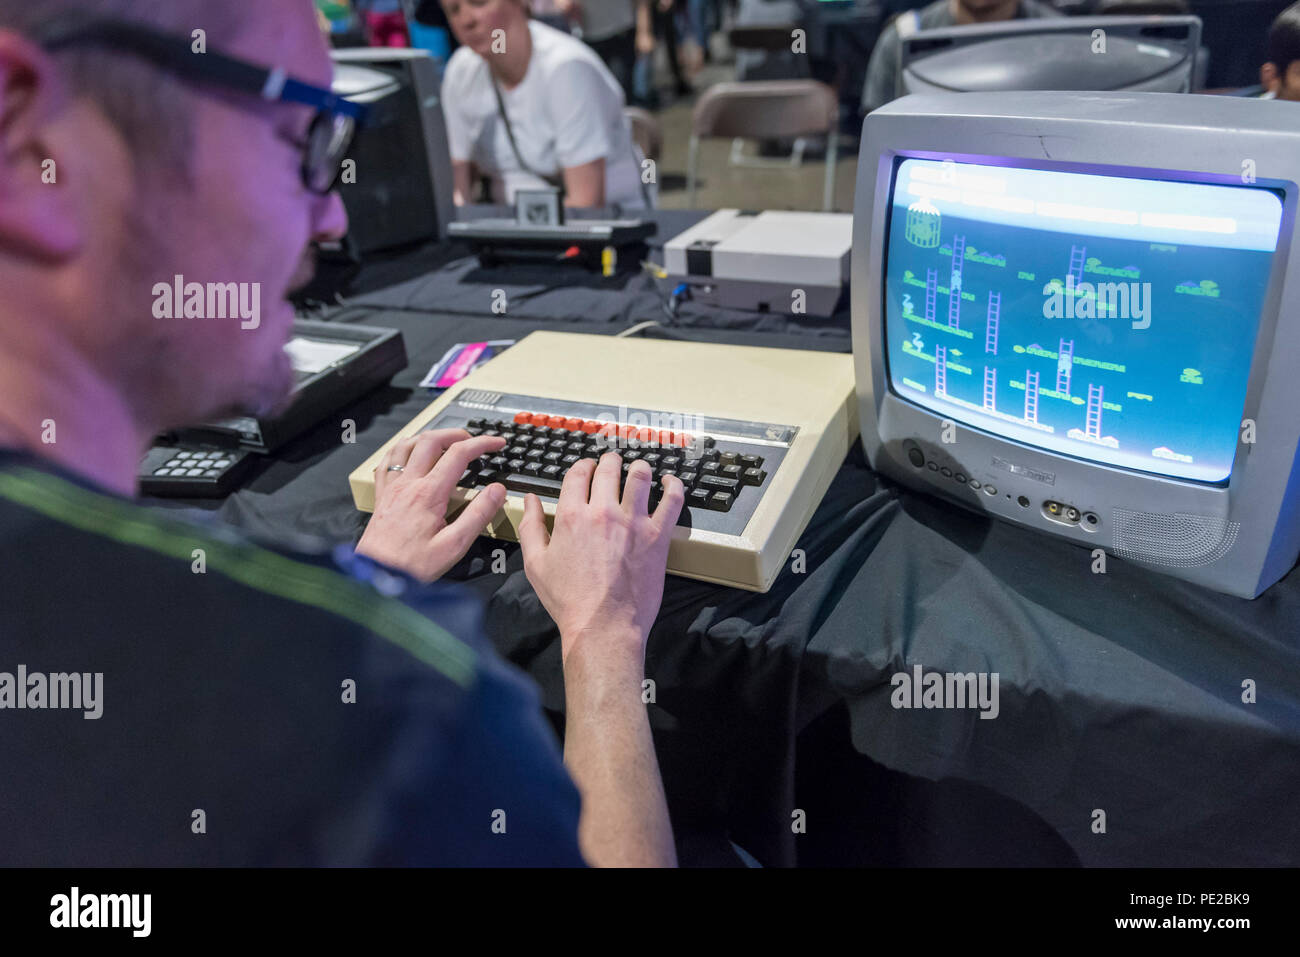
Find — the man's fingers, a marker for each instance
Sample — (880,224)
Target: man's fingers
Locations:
(453,462)
(469,524)
(604,484)
(533,537)
(429,447)
(397,454)
(670,506)
(577,485)
(636,489)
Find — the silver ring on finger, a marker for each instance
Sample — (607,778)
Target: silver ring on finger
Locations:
(397,468)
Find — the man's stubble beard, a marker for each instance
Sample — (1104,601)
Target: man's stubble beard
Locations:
(166,371)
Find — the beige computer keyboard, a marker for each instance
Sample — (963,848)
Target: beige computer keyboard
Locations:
(756,435)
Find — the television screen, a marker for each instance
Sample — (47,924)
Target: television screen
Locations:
(1107,317)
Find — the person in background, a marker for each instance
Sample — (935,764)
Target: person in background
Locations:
(1280,74)
(664,20)
(536,109)
(882,71)
(618,30)
(385,22)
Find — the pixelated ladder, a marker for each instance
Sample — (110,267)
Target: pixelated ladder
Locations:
(995,312)
(1094,412)
(954,286)
(1064,363)
(1031,396)
(1077,256)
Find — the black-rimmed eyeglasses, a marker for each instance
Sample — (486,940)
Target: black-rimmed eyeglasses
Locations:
(328,136)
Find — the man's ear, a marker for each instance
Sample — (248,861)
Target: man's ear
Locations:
(39,212)
(1268,77)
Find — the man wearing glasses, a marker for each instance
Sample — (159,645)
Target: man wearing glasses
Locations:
(253,706)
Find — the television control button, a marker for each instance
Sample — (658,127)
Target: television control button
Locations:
(915,457)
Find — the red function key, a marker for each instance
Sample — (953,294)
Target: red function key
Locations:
(573,425)
(667,438)
(684,439)
(591,427)
(538,419)
(645,436)
(626,432)
(556,421)
(523,418)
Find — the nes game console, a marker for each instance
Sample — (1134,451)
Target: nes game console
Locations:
(771,261)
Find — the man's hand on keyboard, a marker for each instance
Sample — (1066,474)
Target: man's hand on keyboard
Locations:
(413,484)
(600,573)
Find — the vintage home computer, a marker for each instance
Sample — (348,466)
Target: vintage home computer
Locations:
(755,435)
(1081,313)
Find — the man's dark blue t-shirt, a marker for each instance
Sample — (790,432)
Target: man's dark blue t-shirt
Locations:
(255,707)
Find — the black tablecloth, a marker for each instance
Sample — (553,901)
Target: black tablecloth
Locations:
(1122,737)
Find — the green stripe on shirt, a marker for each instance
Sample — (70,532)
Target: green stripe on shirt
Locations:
(254,567)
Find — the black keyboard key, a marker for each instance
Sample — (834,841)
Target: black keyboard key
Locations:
(731,471)
(532,469)
(698,498)
(753,476)
(539,441)
(671,461)
(552,457)
(710,468)
(552,471)
(721,501)
(717,482)
(515,465)
(729,458)
(466,479)
(534,455)
(688,478)
(485,476)
(525,428)
(476,424)
(569,460)
(652,459)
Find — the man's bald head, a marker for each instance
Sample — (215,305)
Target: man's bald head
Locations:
(152,116)
(117,177)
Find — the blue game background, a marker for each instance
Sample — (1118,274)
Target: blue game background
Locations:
(1193,361)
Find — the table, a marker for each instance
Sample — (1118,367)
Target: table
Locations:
(1119,693)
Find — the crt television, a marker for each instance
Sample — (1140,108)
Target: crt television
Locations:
(1081,313)
(1134,54)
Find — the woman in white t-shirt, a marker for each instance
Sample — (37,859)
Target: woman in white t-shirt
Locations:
(562,108)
